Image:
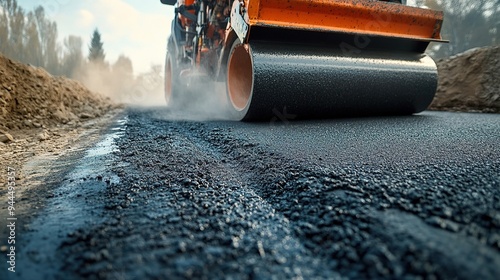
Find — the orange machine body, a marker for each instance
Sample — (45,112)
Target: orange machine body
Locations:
(367,17)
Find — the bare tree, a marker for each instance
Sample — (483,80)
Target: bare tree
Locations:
(33,48)
(12,22)
(52,49)
(123,67)
(4,28)
(122,75)
(73,56)
(29,37)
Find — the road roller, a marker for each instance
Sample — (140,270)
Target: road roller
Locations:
(304,58)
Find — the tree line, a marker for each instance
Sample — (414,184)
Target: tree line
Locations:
(32,38)
(467,24)
(28,36)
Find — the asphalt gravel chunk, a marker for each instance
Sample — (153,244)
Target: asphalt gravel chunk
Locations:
(404,197)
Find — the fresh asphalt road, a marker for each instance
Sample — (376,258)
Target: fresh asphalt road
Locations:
(415,197)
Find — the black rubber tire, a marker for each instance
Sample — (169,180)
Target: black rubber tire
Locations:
(170,80)
(175,88)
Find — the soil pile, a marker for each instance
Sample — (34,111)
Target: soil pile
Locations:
(32,98)
(44,117)
(469,82)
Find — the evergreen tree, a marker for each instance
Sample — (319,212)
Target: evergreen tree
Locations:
(96,52)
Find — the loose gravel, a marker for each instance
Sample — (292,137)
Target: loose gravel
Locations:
(226,200)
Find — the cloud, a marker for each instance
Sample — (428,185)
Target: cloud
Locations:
(86,18)
(128,22)
(128,30)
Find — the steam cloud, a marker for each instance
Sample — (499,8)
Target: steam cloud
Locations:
(204,100)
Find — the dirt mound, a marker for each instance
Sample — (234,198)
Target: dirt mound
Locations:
(32,98)
(469,82)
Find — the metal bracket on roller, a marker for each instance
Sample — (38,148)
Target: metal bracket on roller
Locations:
(269,51)
(238,22)
(183,10)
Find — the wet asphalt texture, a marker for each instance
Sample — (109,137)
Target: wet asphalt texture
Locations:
(414,197)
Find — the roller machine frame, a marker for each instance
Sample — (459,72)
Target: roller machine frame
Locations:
(312,58)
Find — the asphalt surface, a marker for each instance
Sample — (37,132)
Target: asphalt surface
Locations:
(413,197)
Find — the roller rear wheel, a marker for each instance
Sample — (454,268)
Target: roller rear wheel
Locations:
(239,79)
(175,87)
(168,79)
(173,84)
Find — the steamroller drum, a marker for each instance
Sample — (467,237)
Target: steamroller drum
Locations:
(268,78)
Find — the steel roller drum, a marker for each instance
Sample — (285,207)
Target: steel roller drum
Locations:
(266,79)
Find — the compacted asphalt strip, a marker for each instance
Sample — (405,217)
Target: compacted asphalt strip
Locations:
(415,197)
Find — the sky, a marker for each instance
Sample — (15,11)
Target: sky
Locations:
(137,29)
